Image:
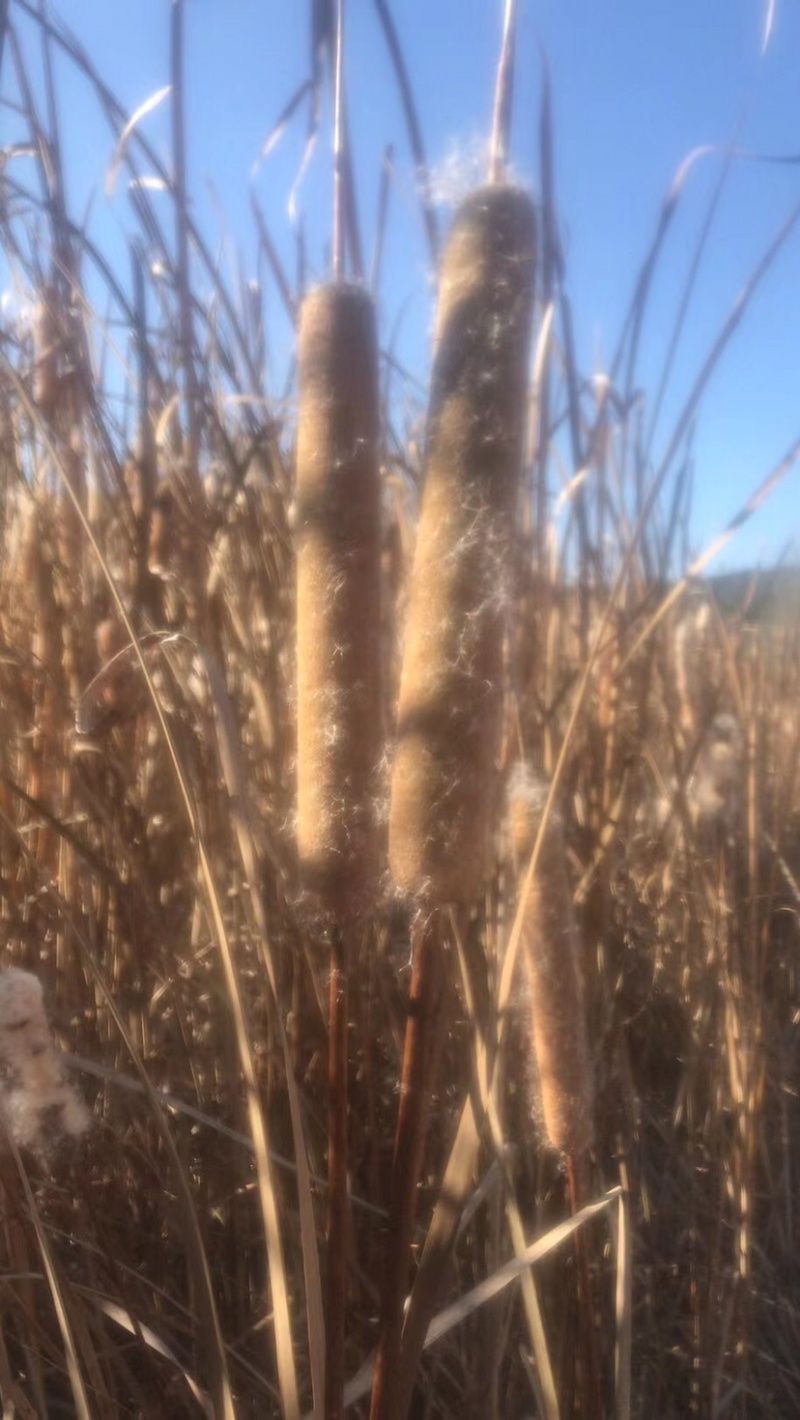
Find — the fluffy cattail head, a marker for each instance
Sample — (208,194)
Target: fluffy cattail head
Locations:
(551,995)
(714,787)
(338,523)
(450,692)
(37,1106)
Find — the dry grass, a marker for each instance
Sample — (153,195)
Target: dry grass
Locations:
(171,1260)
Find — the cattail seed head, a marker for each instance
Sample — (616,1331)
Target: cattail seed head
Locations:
(551,992)
(338,532)
(697,667)
(450,691)
(46,339)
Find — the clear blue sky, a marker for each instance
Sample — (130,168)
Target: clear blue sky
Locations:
(637,84)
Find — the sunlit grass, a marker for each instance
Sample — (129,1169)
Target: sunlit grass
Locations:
(155,870)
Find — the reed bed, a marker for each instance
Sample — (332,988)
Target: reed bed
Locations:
(268,670)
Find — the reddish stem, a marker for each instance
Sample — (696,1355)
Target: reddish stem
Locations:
(423,1010)
(592,1403)
(337,1181)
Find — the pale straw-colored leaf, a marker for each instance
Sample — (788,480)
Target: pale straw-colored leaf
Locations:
(769,22)
(124,138)
(623,1343)
(123,1318)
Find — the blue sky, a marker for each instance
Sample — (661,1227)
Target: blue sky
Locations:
(636,84)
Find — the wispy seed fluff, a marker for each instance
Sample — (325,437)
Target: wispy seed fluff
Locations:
(451,684)
(37,1106)
(551,995)
(714,786)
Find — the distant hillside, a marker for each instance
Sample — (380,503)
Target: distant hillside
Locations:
(769,595)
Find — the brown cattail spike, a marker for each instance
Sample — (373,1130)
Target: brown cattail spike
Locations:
(450,691)
(338,596)
(552,995)
(46,337)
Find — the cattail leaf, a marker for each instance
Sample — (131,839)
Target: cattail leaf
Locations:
(138,1328)
(494,1286)
(769,21)
(280,125)
(124,138)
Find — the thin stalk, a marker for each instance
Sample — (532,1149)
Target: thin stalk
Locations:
(275,264)
(590,1361)
(691,281)
(380,225)
(423,1012)
(186,334)
(4,5)
(414,130)
(503,97)
(338,149)
(352,225)
(146,461)
(336,1291)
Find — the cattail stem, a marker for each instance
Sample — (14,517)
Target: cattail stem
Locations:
(337,1179)
(592,1402)
(424,1002)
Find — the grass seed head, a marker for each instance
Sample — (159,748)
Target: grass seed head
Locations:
(338,531)
(450,691)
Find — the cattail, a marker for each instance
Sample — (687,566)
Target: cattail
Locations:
(552,994)
(697,668)
(46,340)
(450,690)
(163,536)
(338,521)
(69,528)
(37,1106)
